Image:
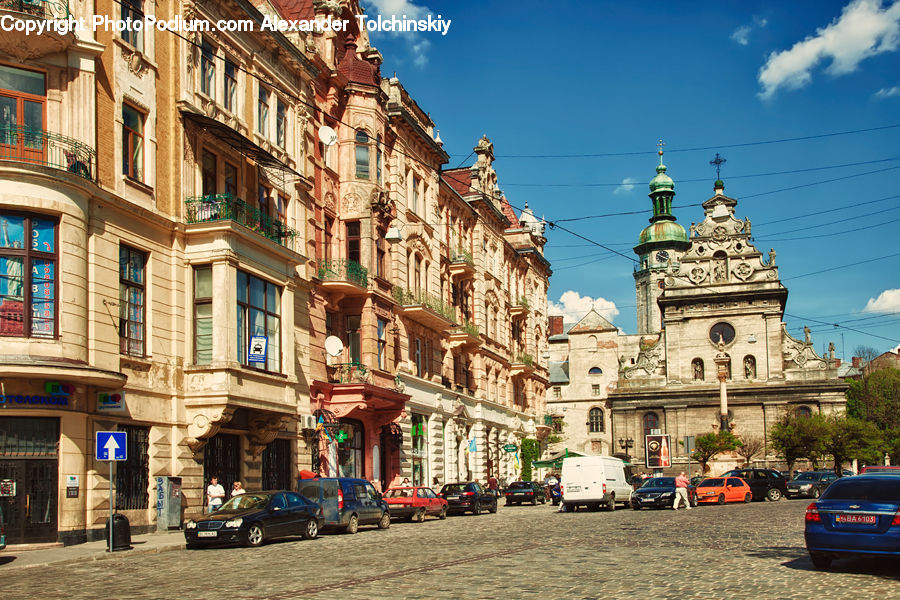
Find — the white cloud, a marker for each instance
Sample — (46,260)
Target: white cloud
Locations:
(741,35)
(573,306)
(887,302)
(626,186)
(418,45)
(863,30)
(887,92)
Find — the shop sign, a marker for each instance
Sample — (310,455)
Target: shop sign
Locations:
(658,455)
(55,394)
(7,488)
(72,485)
(111,401)
(509,448)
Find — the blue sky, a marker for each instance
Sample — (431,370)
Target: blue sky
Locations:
(575,78)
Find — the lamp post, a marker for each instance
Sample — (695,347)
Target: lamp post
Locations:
(625,445)
(722,361)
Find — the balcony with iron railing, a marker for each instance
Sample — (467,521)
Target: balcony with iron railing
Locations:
(351,372)
(50,40)
(425,308)
(225,207)
(462,264)
(345,276)
(519,307)
(29,146)
(465,335)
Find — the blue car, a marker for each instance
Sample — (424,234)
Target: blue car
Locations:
(854,516)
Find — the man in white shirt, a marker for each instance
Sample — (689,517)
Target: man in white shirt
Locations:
(215,494)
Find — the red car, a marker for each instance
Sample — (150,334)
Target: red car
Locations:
(724,489)
(414,503)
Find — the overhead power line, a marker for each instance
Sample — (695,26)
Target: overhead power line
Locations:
(838,325)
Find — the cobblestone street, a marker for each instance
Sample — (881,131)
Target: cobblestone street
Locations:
(736,551)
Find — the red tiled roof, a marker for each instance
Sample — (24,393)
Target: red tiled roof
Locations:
(508,212)
(295,9)
(459,180)
(356,69)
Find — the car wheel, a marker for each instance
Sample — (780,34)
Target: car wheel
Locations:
(774,495)
(816,493)
(443,514)
(721,498)
(611,505)
(311,531)
(635,506)
(353,524)
(819,560)
(494,507)
(534,501)
(476,509)
(748,497)
(255,535)
(694,502)
(385,521)
(421,516)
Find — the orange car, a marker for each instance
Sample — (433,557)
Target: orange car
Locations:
(723,489)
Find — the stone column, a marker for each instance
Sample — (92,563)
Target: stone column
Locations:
(721,359)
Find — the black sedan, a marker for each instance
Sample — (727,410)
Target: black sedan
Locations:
(810,484)
(525,491)
(254,517)
(468,496)
(659,492)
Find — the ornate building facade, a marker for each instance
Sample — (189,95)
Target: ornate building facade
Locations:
(704,299)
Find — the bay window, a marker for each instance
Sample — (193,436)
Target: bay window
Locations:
(258,314)
(28,287)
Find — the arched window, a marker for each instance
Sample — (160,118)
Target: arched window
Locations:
(697,371)
(362,155)
(595,371)
(651,422)
(803,411)
(749,367)
(592,343)
(595,421)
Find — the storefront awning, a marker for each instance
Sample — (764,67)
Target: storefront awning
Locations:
(555,461)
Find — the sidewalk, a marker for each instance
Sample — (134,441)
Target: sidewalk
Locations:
(11,558)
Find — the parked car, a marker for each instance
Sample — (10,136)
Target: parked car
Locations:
(532,492)
(593,481)
(414,503)
(810,484)
(884,469)
(720,490)
(468,496)
(659,492)
(347,502)
(766,484)
(855,515)
(254,517)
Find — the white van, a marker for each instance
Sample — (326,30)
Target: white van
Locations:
(593,481)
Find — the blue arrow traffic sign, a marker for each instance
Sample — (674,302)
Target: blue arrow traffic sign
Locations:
(111,445)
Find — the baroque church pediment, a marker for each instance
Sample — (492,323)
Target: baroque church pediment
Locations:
(800,354)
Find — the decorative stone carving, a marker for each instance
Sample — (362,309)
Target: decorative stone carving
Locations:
(720,234)
(800,353)
(647,361)
(743,271)
(205,424)
(383,206)
(263,430)
(351,203)
(698,274)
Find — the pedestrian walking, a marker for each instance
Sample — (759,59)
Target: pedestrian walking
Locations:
(405,482)
(681,491)
(215,494)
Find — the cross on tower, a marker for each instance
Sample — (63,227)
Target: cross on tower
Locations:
(660,144)
(717,162)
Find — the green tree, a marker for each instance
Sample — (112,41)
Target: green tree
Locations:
(794,437)
(708,445)
(876,398)
(850,438)
(531,450)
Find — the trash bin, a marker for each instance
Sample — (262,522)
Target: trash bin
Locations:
(121,532)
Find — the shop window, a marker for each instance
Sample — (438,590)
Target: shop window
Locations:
(362,155)
(132,312)
(419,450)
(133,474)
(132,142)
(132,10)
(28,276)
(259,314)
(203,315)
(350,455)
(207,69)
(595,421)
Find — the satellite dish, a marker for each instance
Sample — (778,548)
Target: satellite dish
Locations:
(327,135)
(333,345)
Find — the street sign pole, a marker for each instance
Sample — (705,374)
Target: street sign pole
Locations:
(110,446)
(110,548)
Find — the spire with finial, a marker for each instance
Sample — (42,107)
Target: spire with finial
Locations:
(662,190)
(717,162)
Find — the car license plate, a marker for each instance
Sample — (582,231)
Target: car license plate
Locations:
(207,533)
(452,497)
(573,488)
(856,519)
